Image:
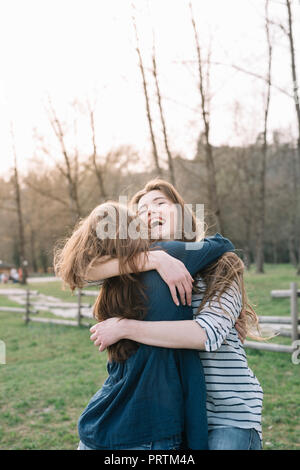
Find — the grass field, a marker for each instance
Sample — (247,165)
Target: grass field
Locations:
(52,371)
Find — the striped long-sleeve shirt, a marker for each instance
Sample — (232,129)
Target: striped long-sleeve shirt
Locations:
(234,395)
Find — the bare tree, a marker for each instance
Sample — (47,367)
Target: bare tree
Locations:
(260,219)
(295,79)
(293,208)
(17,190)
(147,100)
(162,117)
(294,69)
(289,32)
(245,177)
(213,198)
(96,167)
(70,168)
(42,187)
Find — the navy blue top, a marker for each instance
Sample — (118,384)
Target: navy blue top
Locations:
(157,392)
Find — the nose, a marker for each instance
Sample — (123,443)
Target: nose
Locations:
(151,212)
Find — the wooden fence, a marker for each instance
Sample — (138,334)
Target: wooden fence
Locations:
(280,323)
(30,312)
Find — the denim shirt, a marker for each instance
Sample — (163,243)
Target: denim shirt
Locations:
(157,392)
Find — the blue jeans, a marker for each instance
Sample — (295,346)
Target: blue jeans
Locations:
(169,443)
(231,438)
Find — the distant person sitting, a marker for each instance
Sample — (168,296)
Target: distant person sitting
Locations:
(4,278)
(14,276)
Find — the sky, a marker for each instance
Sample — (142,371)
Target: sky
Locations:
(85,49)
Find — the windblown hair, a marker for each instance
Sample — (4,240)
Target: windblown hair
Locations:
(121,296)
(227,273)
(220,275)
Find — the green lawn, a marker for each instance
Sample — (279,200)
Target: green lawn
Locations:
(259,287)
(53,288)
(52,371)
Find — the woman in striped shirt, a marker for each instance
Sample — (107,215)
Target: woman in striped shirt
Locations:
(234,395)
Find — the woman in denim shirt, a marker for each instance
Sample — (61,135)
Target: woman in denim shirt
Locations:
(222,311)
(147,400)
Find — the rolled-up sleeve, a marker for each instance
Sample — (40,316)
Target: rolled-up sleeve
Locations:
(218,317)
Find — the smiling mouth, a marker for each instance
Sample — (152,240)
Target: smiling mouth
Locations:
(157,223)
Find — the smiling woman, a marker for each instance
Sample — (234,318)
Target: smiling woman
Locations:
(234,395)
(162,223)
(147,400)
(164,211)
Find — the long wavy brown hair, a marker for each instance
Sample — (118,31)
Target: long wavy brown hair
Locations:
(225,274)
(122,296)
(218,276)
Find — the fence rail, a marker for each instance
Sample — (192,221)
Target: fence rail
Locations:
(292,321)
(281,323)
(58,321)
(269,347)
(30,311)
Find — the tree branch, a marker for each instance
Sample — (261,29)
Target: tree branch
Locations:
(46,194)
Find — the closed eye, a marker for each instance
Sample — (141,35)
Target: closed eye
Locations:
(142,211)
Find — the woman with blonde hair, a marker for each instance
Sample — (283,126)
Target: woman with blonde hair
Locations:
(147,401)
(234,395)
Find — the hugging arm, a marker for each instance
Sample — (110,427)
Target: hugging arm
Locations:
(194,255)
(170,269)
(107,267)
(198,255)
(184,334)
(207,332)
(176,263)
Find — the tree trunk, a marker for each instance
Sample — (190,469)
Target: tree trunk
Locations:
(163,121)
(293,213)
(70,170)
(294,78)
(259,261)
(294,71)
(292,251)
(21,237)
(147,101)
(97,170)
(213,198)
(33,251)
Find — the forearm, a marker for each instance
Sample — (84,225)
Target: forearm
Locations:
(183,334)
(110,267)
(197,255)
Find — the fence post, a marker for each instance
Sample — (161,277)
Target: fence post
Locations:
(27,311)
(79,308)
(294,310)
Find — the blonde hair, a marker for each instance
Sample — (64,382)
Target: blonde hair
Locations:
(225,274)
